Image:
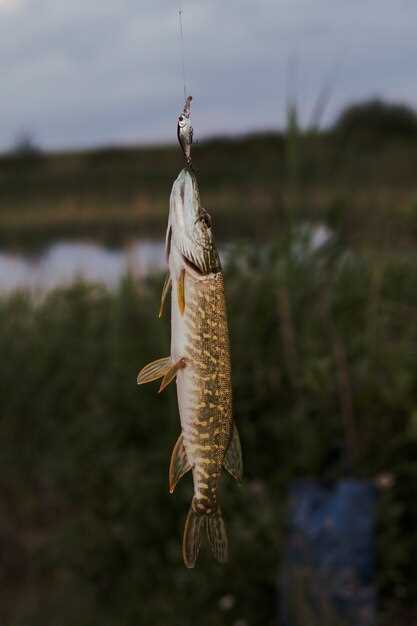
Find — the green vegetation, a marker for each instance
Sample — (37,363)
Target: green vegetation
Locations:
(377,122)
(323,355)
(361,171)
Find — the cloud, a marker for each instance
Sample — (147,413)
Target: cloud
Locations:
(9,5)
(92,72)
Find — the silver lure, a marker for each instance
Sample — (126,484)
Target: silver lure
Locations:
(185,131)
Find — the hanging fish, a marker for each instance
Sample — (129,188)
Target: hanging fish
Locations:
(185,131)
(200,363)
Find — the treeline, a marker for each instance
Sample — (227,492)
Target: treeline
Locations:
(364,166)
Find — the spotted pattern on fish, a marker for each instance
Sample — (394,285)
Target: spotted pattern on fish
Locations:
(207,430)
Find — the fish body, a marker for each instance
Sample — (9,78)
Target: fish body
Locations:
(200,354)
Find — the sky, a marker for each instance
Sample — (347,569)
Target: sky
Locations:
(78,73)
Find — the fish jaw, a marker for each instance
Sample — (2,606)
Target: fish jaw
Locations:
(189,227)
(183,211)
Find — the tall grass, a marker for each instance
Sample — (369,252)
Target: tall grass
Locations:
(89,532)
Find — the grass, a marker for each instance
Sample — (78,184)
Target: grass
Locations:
(90,533)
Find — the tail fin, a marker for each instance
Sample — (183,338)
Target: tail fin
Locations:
(216,534)
(217,537)
(192,537)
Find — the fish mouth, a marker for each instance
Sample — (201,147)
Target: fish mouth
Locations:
(190,227)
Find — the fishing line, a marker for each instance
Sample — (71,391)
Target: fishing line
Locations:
(181,38)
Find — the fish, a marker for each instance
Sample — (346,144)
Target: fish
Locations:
(185,131)
(200,363)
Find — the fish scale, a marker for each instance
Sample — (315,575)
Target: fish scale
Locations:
(206,416)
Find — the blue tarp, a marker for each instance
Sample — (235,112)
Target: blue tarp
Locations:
(329,563)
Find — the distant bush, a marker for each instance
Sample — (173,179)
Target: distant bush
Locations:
(25,145)
(377,120)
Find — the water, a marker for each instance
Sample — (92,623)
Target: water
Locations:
(64,262)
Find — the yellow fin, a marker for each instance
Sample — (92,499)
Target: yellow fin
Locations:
(171,374)
(165,289)
(233,461)
(179,464)
(181,292)
(153,371)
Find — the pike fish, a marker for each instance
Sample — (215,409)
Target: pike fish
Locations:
(200,364)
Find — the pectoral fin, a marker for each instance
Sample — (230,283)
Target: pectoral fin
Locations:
(165,289)
(233,460)
(171,374)
(181,292)
(153,371)
(179,464)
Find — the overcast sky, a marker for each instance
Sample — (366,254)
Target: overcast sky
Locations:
(94,72)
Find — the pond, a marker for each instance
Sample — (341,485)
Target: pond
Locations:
(63,262)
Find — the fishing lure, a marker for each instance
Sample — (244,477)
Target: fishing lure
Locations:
(185,131)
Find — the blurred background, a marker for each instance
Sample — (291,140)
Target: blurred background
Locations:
(306,126)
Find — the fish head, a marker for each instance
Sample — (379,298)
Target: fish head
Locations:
(190,236)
